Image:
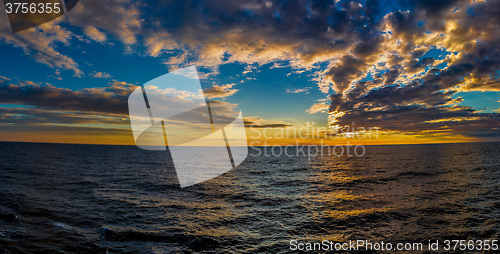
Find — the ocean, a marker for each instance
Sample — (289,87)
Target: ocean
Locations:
(64,198)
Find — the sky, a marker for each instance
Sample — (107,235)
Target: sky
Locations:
(402,71)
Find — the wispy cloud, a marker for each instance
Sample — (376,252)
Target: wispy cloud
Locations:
(259,123)
(40,43)
(94,34)
(220,91)
(100,75)
(299,90)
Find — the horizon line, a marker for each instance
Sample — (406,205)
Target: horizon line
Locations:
(385,144)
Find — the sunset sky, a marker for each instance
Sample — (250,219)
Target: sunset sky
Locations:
(417,71)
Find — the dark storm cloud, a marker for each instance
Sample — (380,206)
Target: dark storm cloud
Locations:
(433,7)
(391,75)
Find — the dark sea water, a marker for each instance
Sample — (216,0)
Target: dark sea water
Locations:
(57,198)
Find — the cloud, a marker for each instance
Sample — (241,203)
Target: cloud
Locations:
(249,32)
(111,99)
(259,123)
(274,125)
(100,75)
(397,85)
(299,90)
(21,116)
(44,113)
(220,91)
(41,43)
(120,19)
(159,43)
(318,107)
(94,34)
